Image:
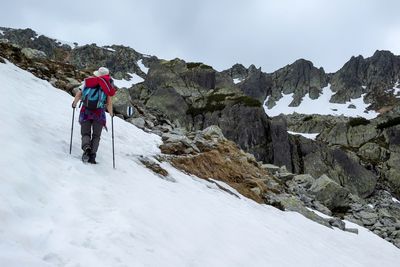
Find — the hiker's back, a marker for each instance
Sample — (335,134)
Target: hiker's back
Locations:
(93,97)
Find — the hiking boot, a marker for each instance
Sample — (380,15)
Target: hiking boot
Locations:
(86,154)
(92,158)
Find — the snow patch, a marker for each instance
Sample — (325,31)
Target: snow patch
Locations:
(109,49)
(129,83)
(395,200)
(371,206)
(237,80)
(311,136)
(1,32)
(321,105)
(396,89)
(142,67)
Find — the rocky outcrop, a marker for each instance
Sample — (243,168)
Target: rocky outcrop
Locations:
(60,75)
(28,38)
(304,123)
(208,154)
(373,144)
(379,213)
(119,59)
(374,76)
(252,81)
(318,159)
(299,79)
(330,193)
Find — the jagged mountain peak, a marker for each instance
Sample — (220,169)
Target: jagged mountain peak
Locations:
(383,53)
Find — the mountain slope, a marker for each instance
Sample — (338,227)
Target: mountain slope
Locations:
(56,211)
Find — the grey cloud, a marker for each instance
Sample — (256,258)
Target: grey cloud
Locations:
(266,33)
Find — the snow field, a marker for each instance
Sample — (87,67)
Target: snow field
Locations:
(321,105)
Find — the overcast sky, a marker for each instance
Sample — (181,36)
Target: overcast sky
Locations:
(267,33)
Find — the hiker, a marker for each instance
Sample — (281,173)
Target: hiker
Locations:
(95,94)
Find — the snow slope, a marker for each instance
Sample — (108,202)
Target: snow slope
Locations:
(321,105)
(311,136)
(129,83)
(57,211)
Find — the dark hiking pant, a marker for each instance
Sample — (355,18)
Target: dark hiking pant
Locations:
(91,131)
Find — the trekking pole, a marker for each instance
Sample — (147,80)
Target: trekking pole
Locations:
(72,130)
(112,132)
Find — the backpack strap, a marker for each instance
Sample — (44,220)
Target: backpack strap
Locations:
(108,89)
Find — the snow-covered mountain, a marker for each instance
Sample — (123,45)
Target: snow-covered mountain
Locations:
(321,105)
(56,211)
(362,87)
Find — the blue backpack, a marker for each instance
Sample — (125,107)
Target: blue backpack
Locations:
(93,98)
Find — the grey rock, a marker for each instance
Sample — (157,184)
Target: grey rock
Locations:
(273,169)
(121,101)
(165,100)
(373,152)
(377,73)
(292,203)
(283,169)
(352,230)
(321,208)
(361,134)
(367,218)
(305,180)
(254,82)
(256,190)
(299,78)
(138,122)
(352,106)
(329,193)
(213,131)
(33,53)
(284,177)
(335,222)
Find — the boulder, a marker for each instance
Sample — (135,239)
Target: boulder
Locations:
(367,218)
(170,102)
(336,222)
(285,176)
(352,230)
(138,122)
(213,132)
(304,180)
(361,134)
(372,152)
(292,203)
(121,100)
(273,169)
(329,193)
(33,53)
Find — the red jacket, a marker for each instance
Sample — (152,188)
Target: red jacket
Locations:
(103,81)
